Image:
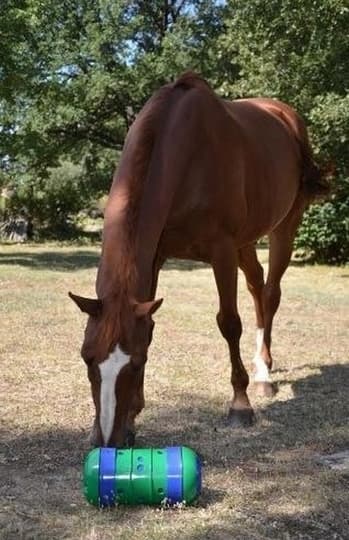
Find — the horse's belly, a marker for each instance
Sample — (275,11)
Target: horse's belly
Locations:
(245,217)
(192,238)
(195,236)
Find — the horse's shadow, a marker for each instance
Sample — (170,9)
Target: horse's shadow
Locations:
(319,402)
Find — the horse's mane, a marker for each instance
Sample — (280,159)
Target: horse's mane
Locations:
(137,154)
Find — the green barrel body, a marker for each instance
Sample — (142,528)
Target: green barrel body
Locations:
(141,476)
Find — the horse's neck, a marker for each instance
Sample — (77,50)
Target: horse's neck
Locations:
(134,217)
(130,238)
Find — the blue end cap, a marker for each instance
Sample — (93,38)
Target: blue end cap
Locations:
(174,474)
(198,475)
(107,473)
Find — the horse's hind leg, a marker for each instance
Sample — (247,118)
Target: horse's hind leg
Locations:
(280,251)
(254,275)
(225,262)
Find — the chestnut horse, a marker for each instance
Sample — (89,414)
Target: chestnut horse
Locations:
(199,178)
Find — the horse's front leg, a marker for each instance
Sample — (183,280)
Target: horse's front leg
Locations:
(136,408)
(225,263)
(147,292)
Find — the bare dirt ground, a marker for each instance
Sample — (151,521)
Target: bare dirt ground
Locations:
(265,482)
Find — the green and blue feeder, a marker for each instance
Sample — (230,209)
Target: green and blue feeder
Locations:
(141,476)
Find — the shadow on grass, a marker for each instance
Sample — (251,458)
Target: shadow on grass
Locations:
(316,416)
(41,483)
(83,259)
(307,525)
(43,470)
(41,487)
(52,260)
(184,265)
(320,402)
(77,260)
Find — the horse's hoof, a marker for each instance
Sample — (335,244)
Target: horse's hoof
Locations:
(264,389)
(241,418)
(130,438)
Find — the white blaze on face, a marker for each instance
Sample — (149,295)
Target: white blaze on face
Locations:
(110,370)
(262,371)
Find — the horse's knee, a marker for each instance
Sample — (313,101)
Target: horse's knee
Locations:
(230,326)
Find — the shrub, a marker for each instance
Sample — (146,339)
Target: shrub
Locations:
(51,203)
(324,233)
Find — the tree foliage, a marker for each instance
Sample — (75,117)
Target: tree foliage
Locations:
(52,202)
(74,73)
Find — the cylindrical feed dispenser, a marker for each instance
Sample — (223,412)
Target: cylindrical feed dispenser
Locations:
(141,476)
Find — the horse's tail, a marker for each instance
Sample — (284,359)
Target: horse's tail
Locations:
(315,179)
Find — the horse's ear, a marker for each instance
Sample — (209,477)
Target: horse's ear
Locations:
(87,305)
(141,309)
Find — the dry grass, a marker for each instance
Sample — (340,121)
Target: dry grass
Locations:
(262,483)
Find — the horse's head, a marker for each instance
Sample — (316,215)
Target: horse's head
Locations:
(117,336)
